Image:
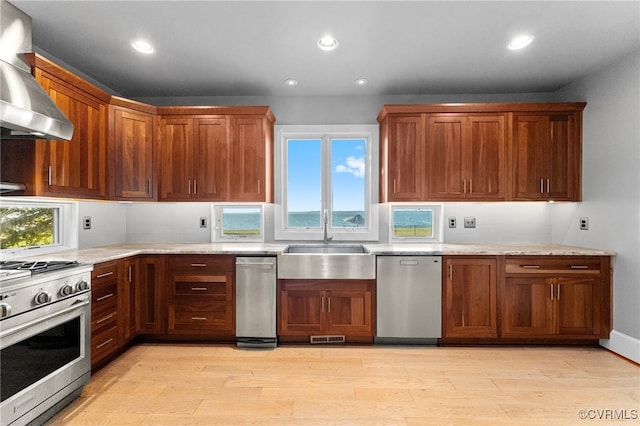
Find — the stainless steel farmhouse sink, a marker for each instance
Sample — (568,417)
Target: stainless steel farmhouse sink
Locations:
(326,261)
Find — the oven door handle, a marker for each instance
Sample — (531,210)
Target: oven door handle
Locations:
(76,305)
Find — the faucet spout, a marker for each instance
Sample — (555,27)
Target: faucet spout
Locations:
(326,238)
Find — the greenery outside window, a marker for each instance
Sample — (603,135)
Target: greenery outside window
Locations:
(29,227)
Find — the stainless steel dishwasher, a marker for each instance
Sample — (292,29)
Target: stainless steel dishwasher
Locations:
(256,302)
(409,299)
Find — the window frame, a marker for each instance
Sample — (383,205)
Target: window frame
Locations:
(326,133)
(437,222)
(66,226)
(216,228)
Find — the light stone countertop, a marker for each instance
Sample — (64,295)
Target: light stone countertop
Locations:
(120,251)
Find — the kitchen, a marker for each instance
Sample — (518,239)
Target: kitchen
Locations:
(610,130)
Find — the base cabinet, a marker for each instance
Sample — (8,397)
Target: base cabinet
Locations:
(470,299)
(201,295)
(151,298)
(326,307)
(105,311)
(556,297)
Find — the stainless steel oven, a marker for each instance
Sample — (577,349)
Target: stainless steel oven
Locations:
(45,343)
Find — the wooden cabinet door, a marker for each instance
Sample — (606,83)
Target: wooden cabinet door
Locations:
(578,301)
(528,307)
(446,136)
(132,136)
(349,312)
(530,141)
(302,311)
(176,159)
(151,297)
(212,159)
(75,168)
(248,172)
(559,158)
(129,291)
(406,158)
(470,297)
(484,161)
(546,157)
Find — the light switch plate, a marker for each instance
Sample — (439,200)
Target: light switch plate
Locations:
(469,222)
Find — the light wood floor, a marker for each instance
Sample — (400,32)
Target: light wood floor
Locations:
(321,385)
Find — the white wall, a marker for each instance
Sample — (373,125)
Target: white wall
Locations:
(168,222)
(108,223)
(611,182)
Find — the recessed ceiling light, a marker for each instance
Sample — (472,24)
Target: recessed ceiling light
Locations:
(361,82)
(291,82)
(143,46)
(520,42)
(327,43)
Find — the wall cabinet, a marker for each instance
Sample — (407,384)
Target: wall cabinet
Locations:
(483,152)
(106,336)
(547,156)
(470,297)
(326,307)
(132,153)
(216,154)
(201,295)
(466,156)
(557,297)
(75,168)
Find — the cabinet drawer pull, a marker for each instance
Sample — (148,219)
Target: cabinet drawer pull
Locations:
(470,186)
(104,343)
(199,265)
(464,186)
(195,186)
(329,304)
(49,176)
(530,266)
(199,288)
(579,267)
(551,291)
(199,318)
(106,274)
(542,186)
(100,299)
(101,320)
(558,293)
(149,186)
(547,185)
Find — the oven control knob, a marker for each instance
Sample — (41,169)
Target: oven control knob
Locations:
(5,310)
(82,285)
(66,290)
(42,297)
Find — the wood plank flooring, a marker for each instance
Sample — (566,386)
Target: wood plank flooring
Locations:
(163,384)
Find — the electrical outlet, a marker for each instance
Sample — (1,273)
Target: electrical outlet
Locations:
(469,222)
(86,222)
(203,222)
(584,223)
(452,222)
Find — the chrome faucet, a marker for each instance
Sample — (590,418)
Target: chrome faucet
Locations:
(326,237)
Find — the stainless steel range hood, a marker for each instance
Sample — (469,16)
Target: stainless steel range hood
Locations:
(26,111)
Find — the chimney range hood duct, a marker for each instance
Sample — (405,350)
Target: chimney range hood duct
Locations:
(26,111)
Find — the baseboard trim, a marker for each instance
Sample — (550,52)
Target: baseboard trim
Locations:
(623,345)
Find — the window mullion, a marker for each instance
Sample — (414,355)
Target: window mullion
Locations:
(327,198)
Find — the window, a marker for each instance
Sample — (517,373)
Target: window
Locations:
(238,222)
(37,226)
(415,222)
(325,174)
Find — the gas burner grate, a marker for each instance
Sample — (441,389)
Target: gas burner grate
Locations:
(38,266)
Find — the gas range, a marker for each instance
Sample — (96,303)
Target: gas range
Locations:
(27,285)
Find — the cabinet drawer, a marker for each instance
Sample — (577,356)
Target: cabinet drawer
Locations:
(101,321)
(533,265)
(104,343)
(104,298)
(205,264)
(104,273)
(215,287)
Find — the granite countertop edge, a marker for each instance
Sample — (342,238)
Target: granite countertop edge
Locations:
(120,251)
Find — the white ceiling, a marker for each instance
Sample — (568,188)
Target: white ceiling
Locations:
(248,48)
